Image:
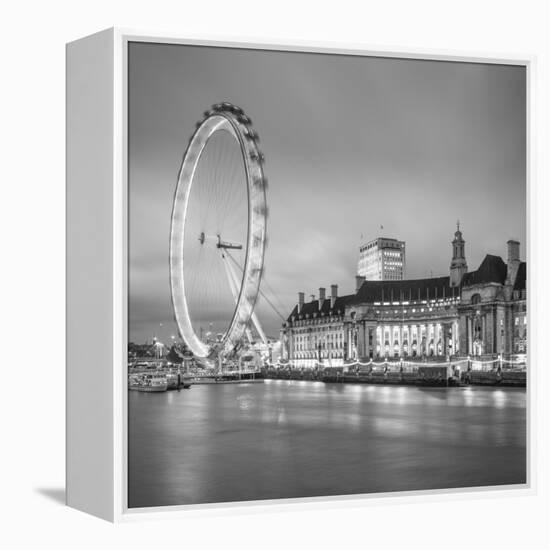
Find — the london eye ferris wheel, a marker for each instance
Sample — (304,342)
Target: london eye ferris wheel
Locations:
(218,233)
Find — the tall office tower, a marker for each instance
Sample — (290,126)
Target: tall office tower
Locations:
(382,259)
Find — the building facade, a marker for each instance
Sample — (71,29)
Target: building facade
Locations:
(382,259)
(478,313)
(403,319)
(315,330)
(492,311)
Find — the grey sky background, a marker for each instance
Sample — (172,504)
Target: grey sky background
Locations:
(351,143)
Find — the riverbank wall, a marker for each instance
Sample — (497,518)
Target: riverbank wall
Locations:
(435,376)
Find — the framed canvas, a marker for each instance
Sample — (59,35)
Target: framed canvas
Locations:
(304,271)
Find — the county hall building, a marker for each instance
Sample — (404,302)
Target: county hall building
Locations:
(467,313)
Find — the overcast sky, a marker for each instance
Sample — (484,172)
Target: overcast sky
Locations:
(351,143)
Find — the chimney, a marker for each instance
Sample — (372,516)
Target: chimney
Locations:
(301,296)
(513,262)
(333,295)
(513,251)
(321,297)
(359,280)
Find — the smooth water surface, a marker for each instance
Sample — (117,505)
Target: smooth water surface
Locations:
(287,439)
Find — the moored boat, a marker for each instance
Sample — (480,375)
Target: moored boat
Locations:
(154,382)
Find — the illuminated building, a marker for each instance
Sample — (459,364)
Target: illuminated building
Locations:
(492,310)
(382,259)
(478,313)
(315,330)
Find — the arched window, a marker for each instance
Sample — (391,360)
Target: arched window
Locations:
(476,299)
(477,329)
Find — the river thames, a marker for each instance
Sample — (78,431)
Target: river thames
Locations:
(288,439)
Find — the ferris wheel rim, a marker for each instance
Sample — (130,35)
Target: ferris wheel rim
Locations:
(222,117)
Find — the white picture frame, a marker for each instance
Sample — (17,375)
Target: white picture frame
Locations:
(97,203)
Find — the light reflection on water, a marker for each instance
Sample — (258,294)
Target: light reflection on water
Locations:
(284,439)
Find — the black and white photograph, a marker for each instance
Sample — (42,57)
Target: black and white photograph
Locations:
(327,266)
(275,275)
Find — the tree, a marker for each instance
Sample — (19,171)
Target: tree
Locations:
(174,355)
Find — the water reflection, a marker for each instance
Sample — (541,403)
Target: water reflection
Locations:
(284,439)
(499,398)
